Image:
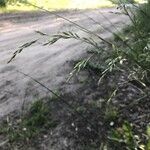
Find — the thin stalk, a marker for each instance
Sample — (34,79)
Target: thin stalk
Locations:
(60,98)
(77,25)
(124,42)
(109,21)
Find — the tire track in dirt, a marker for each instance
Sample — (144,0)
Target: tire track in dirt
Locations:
(43,63)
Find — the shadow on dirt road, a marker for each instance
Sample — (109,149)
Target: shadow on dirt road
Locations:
(48,64)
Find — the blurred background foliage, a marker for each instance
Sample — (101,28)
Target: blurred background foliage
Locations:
(19,5)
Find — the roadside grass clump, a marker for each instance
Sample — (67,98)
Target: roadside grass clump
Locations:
(89,132)
(102,126)
(136,50)
(125,137)
(130,55)
(25,128)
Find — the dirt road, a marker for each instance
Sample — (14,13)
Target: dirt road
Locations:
(48,64)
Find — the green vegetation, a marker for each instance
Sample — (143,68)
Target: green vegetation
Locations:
(35,122)
(23,5)
(130,54)
(107,122)
(124,137)
(16,5)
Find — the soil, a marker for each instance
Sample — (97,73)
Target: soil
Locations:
(48,64)
(51,66)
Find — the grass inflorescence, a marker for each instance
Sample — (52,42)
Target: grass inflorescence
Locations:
(114,118)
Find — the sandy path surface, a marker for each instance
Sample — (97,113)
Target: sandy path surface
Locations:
(47,64)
